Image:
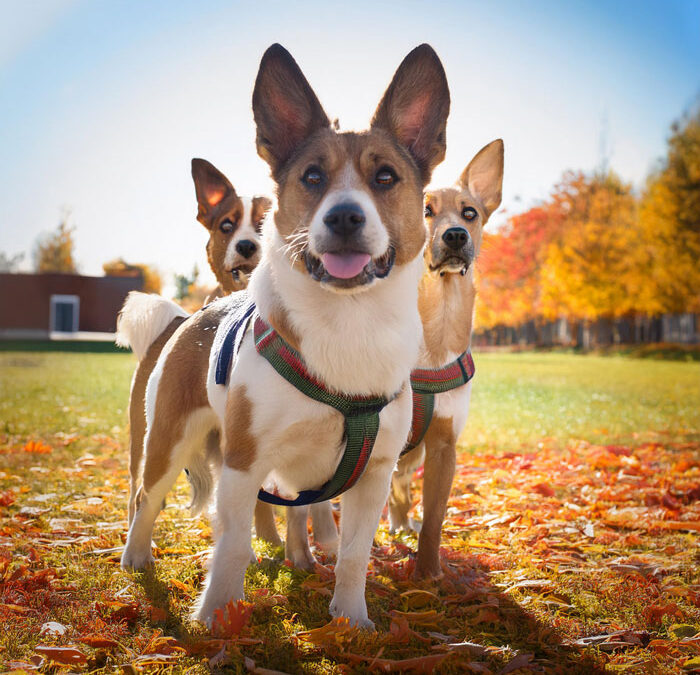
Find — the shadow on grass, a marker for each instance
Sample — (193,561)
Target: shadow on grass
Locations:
(469,608)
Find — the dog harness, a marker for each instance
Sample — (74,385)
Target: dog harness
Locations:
(361,413)
(425,383)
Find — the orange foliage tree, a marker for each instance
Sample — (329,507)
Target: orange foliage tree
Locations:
(152,282)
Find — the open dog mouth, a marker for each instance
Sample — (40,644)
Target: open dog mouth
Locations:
(348,269)
(452,264)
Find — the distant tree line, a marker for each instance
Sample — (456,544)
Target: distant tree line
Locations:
(597,264)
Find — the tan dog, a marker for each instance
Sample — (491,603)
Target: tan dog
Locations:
(233,250)
(338,283)
(455,218)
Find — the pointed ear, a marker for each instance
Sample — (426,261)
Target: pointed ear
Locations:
(414,108)
(211,188)
(484,175)
(285,108)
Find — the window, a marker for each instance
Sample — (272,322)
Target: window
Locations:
(64,313)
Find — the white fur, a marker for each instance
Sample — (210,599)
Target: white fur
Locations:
(380,329)
(245,230)
(363,344)
(348,189)
(142,319)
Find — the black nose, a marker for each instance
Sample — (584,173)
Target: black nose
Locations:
(246,247)
(344,219)
(455,237)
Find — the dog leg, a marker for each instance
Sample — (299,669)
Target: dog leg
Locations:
(360,510)
(440,462)
(168,450)
(236,498)
(324,527)
(400,500)
(265,527)
(296,547)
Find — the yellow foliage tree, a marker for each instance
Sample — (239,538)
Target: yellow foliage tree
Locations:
(54,252)
(589,270)
(670,225)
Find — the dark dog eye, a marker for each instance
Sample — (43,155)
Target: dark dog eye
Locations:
(385,177)
(468,213)
(312,176)
(226,226)
(429,213)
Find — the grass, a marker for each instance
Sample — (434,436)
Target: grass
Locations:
(575,513)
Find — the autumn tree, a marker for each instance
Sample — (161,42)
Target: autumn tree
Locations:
(55,251)
(670,225)
(589,270)
(509,267)
(152,282)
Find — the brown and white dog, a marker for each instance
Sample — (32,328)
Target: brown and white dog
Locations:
(233,222)
(338,280)
(233,250)
(455,217)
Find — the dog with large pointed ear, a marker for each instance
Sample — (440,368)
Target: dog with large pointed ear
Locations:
(455,218)
(233,223)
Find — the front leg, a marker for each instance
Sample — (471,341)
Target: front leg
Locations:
(360,510)
(236,497)
(439,470)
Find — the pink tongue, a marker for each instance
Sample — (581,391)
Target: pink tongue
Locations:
(344,265)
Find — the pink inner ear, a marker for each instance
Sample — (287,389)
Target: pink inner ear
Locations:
(214,196)
(412,119)
(288,114)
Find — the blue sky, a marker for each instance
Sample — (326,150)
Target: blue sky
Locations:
(103,104)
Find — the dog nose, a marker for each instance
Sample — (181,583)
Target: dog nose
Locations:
(344,219)
(246,247)
(456,237)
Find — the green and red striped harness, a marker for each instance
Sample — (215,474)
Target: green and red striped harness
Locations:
(425,383)
(361,413)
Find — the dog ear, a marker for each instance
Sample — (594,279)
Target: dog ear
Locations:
(285,108)
(483,177)
(415,107)
(211,188)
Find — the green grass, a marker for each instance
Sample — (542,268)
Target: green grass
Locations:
(512,519)
(518,399)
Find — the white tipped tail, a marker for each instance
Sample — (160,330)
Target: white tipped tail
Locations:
(143,318)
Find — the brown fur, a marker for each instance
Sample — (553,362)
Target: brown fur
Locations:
(240,446)
(137,407)
(446,306)
(407,134)
(439,469)
(181,391)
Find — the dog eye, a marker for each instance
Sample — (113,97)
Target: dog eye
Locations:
(468,213)
(312,176)
(226,226)
(429,213)
(385,177)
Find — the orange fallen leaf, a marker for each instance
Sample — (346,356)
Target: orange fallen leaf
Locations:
(69,656)
(231,620)
(335,632)
(421,664)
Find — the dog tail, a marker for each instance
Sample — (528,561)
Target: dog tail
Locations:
(143,318)
(199,472)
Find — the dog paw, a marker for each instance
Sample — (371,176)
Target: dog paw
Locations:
(133,561)
(357,614)
(302,559)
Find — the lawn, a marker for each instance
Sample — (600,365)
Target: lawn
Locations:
(571,544)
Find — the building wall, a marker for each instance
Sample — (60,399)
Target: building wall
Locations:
(25,301)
